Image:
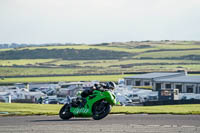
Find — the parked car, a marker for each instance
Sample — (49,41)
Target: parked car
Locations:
(34,89)
(63,100)
(50,92)
(52,101)
(134,97)
(123,100)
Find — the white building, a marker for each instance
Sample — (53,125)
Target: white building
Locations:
(185,84)
(164,81)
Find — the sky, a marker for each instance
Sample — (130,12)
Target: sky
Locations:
(98,21)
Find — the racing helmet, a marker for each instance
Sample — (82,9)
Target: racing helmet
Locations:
(111,85)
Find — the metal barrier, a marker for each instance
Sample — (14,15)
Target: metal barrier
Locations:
(171,102)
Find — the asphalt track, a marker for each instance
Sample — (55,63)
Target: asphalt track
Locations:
(111,124)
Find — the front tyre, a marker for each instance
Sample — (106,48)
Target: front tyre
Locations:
(100,110)
(65,113)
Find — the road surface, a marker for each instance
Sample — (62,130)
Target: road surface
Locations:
(111,124)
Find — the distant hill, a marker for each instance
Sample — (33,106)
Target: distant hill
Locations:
(105,58)
(65,54)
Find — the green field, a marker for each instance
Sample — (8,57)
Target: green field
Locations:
(56,63)
(113,48)
(101,78)
(169,54)
(24,62)
(166,56)
(101,67)
(46,109)
(14,71)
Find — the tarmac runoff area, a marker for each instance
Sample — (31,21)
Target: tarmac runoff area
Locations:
(111,124)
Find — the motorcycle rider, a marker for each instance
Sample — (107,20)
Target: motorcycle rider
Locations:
(108,85)
(81,101)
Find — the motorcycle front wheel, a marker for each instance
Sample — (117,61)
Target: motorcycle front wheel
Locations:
(65,113)
(100,110)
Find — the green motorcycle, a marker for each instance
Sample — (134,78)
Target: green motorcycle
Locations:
(97,105)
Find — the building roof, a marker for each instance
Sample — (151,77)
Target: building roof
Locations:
(182,79)
(153,75)
(4,93)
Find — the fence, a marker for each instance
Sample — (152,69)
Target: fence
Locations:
(171,102)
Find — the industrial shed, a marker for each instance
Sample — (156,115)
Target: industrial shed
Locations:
(185,84)
(166,81)
(149,78)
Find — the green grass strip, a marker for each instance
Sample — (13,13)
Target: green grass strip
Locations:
(163,109)
(46,109)
(63,78)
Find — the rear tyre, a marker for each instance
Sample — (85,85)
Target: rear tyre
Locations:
(100,110)
(65,113)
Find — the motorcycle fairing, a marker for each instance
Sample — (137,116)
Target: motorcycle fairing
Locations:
(97,95)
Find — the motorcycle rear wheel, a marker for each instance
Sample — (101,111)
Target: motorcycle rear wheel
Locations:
(65,113)
(100,110)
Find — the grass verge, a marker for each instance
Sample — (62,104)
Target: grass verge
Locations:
(63,78)
(7,109)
